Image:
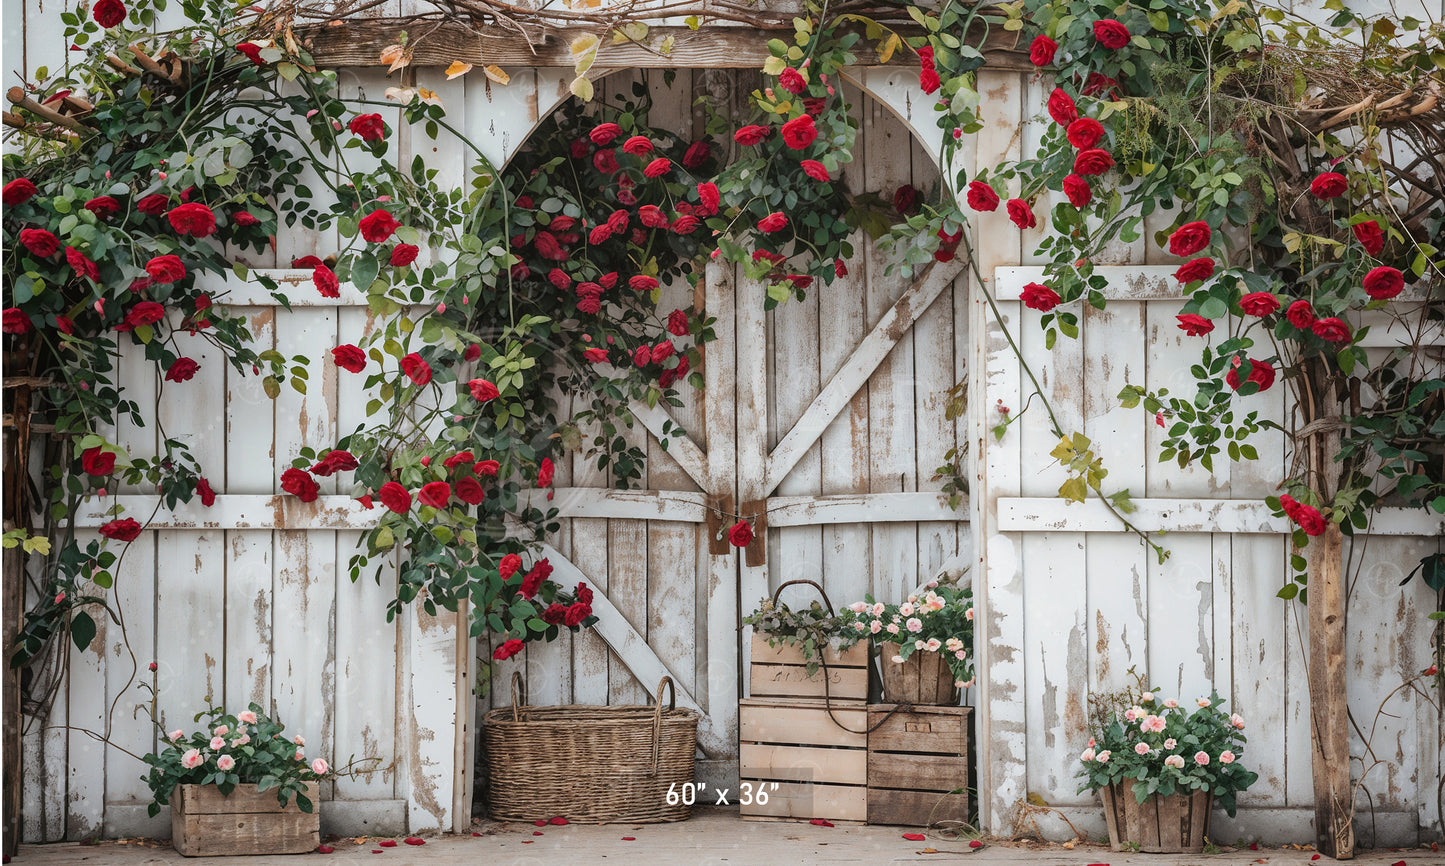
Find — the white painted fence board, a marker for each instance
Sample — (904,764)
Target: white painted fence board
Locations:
(723,589)
(1045,514)
(133,596)
(87,758)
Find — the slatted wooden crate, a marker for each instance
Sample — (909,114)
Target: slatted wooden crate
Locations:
(915,759)
(820,768)
(781,671)
(204,823)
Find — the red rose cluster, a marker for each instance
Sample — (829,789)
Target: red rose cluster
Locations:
(1307,516)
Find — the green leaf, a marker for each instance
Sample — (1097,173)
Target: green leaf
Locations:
(82,630)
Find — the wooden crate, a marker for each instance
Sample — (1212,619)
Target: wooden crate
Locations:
(781,672)
(821,770)
(206,824)
(915,759)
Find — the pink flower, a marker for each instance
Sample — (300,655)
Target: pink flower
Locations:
(1201,758)
(906,609)
(914,624)
(1088,754)
(1175,761)
(1170,743)
(1130,715)
(1152,725)
(225,762)
(222,730)
(875,626)
(1203,702)
(176,734)
(318,766)
(218,743)
(1171,704)
(893,628)
(1237,721)
(933,645)
(300,755)
(300,741)
(1226,757)
(1141,748)
(191,759)
(1103,757)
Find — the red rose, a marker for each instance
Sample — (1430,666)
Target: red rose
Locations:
(816,170)
(1370,236)
(981,196)
(487,467)
(377,226)
(403,255)
(1300,314)
(470,491)
(697,154)
(326,282)
(154,204)
(306,263)
(658,167)
(548,247)
(1289,505)
(245,218)
(104,207)
(583,593)
(368,127)
(600,234)
(555,613)
(459,458)
(17,192)
(182,370)
(595,355)
(435,494)
(677,323)
(707,193)
(662,351)
(508,649)
(1093,161)
(1332,329)
(1039,297)
(772,222)
(509,565)
(336,460)
(483,390)
(1078,191)
(544,472)
(395,497)
(751,134)
(1098,84)
(203,490)
(541,570)
(166,269)
(416,369)
(840,269)
(81,264)
(925,57)
(1111,34)
(193,219)
(144,313)
(1383,283)
(64,323)
(1021,214)
(349,357)
(1310,520)
(253,51)
(928,80)
(605,161)
(559,278)
(590,304)
(652,216)
(97,462)
(800,132)
(1194,324)
(1084,133)
(297,483)
(1260,373)
(741,534)
(603,133)
(1062,108)
(125,529)
(1189,239)
(775,258)
(814,105)
(40,242)
(1259,303)
(791,80)
(473,352)
(576,614)
(108,13)
(1331,184)
(1041,51)
(1196,269)
(637,145)
(685,225)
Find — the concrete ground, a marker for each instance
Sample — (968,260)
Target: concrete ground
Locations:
(713,836)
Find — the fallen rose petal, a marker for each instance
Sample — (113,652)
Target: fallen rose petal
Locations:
(324,849)
(1400,863)
(1254,846)
(821,822)
(376,850)
(528,841)
(974,843)
(476,834)
(536,832)
(1316,857)
(540,822)
(629,838)
(412,840)
(914,837)
(559,821)
(387,843)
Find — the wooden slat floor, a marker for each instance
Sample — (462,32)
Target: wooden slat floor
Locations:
(714,835)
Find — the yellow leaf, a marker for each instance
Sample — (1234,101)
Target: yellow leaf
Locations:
(395,57)
(774,66)
(428,96)
(458,69)
(37,544)
(693,22)
(665,49)
(587,42)
(581,88)
(890,45)
(497,74)
(1013,24)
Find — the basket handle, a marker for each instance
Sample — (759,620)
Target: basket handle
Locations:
(787,583)
(665,684)
(518,684)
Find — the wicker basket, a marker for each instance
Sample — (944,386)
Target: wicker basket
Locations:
(591,765)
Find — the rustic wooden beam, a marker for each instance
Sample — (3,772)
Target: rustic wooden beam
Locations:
(360,43)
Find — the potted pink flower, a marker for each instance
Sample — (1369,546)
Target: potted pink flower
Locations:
(237,786)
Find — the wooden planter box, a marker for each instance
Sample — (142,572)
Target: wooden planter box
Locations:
(820,769)
(1176,824)
(206,824)
(915,761)
(923,680)
(781,672)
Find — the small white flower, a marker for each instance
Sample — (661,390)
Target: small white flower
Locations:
(898,660)
(918,645)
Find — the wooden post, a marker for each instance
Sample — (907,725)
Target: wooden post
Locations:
(12,578)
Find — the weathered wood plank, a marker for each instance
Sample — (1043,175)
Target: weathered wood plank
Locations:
(719,392)
(134,597)
(916,808)
(803,764)
(356,43)
(916,772)
(803,722)
(793,681)
(627,584)
(88,759)
(680,449)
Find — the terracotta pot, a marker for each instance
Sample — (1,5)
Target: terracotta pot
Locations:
(924,680)
(204,823)
(1176,824)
